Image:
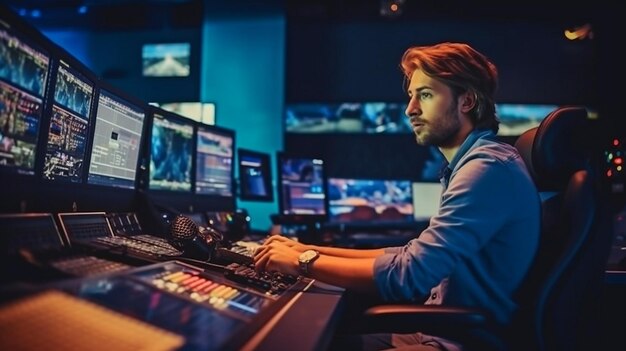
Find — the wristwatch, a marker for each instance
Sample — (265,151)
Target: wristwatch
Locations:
(306,259)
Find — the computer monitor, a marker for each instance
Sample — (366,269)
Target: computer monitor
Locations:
(198,111)
(369,201)
(24,75)
(171,152)
(166,59)
(117,140)
(214,161)
(302,195)
(255,175)
(515,119)
(426,199)
(36,232)
(347,117)
(68,133)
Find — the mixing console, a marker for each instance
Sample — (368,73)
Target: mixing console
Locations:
(211,311)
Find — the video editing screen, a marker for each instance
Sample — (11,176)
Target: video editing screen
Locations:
(255,175)
(23,79)
(369,201)
(347,117)
(116,141)
(214,161)
(301,185)
(166,59)
(515,119)
(69,125)
(171,149)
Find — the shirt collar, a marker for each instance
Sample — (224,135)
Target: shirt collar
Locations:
(466,146)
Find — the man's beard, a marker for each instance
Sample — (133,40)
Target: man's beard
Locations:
(440,132)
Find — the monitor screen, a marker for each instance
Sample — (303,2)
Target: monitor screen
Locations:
(68,133)
(369,201)
(23,78)
(347,117)
(426,199)
(171,148)
(166,59)
(34,231)
(302,191)
(214,161)
(116,141)
(515,119)
(198,111)
(255,175)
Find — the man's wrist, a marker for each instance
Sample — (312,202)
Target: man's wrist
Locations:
(305,261)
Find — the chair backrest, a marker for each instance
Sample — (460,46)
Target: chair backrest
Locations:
(556,301)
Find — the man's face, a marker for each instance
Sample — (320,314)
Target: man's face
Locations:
(432,111)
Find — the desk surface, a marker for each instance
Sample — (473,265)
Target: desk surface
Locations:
(306,324)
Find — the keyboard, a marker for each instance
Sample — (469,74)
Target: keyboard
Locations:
(142,246)
(84,266)
(269,283)
(235,254)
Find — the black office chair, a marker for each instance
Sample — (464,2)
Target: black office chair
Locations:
(558,300)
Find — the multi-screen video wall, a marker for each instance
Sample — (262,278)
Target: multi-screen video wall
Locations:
(70,141)
(383,117)
(66,132)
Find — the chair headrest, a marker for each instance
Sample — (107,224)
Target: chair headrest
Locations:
(557,147)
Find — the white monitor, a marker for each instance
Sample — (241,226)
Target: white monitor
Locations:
(426,198)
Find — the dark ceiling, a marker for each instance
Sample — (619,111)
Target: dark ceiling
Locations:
(125,14)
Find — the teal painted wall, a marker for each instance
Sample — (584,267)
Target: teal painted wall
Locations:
(243,67)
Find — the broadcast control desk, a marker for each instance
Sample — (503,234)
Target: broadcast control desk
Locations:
(174,306)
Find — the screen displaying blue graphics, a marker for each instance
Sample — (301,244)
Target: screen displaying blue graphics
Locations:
(515,119)
(116,142)
(369,200)
(302,186)
(347,117)
(255,175)
(171,151)
(385,117)
(166,59)
(23,78)
(69,125)
(214,161)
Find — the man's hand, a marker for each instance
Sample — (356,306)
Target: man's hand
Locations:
(288,242)
(278,255)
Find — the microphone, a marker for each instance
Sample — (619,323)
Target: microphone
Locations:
(183,228)
(196,242)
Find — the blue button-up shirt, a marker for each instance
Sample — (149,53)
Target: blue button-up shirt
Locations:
(477,249)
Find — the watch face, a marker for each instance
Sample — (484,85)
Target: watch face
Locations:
(308,255)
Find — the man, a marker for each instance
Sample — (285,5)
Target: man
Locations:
(477,249)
